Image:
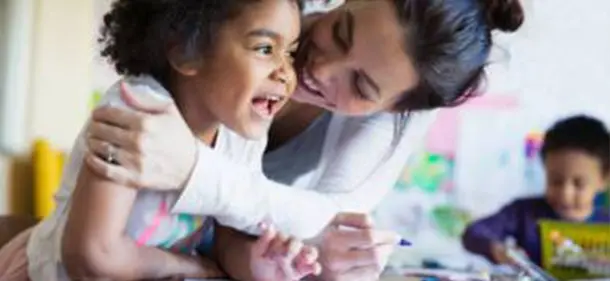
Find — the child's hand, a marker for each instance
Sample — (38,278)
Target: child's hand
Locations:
(275,257)
(499,253)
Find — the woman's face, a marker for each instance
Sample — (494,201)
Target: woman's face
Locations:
(353,60)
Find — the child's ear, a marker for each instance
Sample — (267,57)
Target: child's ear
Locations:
(187,65)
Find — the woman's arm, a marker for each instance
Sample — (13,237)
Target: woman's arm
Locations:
(363,168)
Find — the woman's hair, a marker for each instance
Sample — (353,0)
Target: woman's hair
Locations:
(581,133)
(450,42)
(137,35)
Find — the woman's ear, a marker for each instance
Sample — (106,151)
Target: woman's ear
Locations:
(185,64)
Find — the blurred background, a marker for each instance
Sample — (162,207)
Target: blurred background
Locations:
(557,65)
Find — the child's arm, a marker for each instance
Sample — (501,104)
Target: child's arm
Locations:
(487,236)
(228,248)
(94,244)
(271,257)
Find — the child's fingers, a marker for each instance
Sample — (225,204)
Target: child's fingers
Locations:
(311,254)
(276,246)
(302,270)
(309,269)
(307,255)
(306,262)
(293,248)
(317,269)
(262,244)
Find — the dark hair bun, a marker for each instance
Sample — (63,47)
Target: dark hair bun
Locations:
(505,15)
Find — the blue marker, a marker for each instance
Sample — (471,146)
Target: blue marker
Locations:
(401,243)
(404,243)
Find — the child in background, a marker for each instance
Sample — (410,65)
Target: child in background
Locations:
(576,155)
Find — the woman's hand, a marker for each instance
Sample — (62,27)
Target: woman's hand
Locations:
(351,250)
(151,145)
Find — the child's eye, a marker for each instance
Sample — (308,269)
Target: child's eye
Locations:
(579,184)
(264,50)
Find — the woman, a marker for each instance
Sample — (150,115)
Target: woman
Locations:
(366,72)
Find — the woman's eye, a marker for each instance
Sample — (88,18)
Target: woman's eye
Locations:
(292,53)
(356,78)
(264,50)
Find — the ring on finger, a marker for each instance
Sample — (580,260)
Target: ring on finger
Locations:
(111,154)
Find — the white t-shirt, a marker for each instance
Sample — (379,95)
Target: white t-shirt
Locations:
(152,221)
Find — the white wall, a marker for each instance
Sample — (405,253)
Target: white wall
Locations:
(62,74)
(46,51)
(16,34)
(104,75)
(560,62)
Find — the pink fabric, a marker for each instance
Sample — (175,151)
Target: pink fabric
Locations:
(14,260)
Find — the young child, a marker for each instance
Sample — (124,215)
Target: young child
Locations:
(576,155)
(227,65)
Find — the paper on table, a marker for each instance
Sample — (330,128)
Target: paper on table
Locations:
(383,278)
(208,280)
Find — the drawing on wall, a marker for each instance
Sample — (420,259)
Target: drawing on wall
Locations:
(450,221)
(424,205)
(431,172)
(534,171)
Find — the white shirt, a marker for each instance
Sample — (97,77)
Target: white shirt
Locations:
(359,165)
(151,221)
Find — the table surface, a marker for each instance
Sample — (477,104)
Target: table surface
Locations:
(386,278)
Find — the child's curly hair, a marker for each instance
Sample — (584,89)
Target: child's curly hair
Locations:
(137,35)
(582,133)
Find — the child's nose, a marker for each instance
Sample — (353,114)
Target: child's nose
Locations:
(567,194)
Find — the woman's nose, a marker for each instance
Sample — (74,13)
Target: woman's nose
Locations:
(332,74)
(326,69)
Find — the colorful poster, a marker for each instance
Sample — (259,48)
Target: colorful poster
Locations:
(425,204)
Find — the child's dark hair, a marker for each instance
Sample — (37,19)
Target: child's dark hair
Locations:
(137,35)
(582,133)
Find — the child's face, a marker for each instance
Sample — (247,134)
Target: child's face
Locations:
(248,77)
(573,179)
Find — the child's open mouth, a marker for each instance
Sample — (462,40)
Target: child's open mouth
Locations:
(267,106)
